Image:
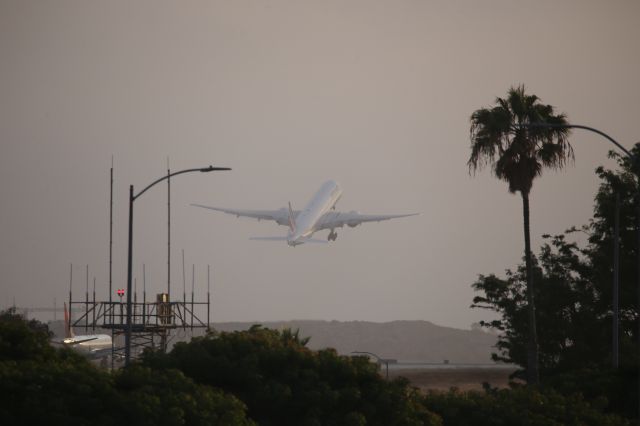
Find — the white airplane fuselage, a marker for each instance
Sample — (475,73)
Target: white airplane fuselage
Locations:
(91,343)
(305,222)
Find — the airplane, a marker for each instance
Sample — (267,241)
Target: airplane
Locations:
(94,344)
(318,214)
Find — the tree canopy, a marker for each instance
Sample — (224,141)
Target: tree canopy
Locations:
(40,384)
(209,380)
(574,296)
(285,383)
(501,138)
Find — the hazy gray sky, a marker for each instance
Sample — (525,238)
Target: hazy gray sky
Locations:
(374,94)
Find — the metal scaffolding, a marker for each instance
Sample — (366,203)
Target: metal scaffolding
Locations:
(151,322)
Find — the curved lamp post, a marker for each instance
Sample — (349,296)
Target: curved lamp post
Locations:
(616,261)
(132,198)
(380,360)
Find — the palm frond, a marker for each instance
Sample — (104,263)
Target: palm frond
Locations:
(518,154)
(488,128)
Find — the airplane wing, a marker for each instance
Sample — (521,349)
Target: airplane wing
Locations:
(76,342)
(281,217)
(333,219)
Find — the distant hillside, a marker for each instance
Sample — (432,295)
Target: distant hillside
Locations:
(403,340)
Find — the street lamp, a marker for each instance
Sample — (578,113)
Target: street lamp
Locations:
(616,262)
(380,360)
(132,198)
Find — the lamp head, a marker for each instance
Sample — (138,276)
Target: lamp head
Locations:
(212,169)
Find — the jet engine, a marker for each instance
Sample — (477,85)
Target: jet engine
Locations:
(354,223)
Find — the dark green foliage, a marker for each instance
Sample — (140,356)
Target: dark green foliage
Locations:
(23,340)
(612,391)
(574,303)
(38,382)
(515,153)
(42,385)
(149,397)
(284,383)
(281,380)
(572,334)
(574,289)
(518,406)
(57,391)
(599,250)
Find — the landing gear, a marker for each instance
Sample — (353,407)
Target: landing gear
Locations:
(333,235)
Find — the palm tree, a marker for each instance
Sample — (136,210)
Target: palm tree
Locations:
(502,138)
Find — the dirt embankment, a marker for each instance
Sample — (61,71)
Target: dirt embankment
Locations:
(461,378)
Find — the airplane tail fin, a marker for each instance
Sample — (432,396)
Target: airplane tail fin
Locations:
(68,330)
(292,222)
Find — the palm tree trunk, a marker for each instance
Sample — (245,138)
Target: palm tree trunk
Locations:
(532,346)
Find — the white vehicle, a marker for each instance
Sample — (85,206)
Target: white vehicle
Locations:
(94,344)
(319,214)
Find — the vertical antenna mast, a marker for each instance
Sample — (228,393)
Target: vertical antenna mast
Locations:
(144,292)
(86,301)
(111,235)
(93,323)
(70,286)
(208,299)
(184,286)
(135,300)
(193,280)
(168,230)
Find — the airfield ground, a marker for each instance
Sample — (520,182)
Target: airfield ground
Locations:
(469,378)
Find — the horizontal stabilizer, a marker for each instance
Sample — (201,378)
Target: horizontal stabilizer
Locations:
(310,240)
(269,238)
(313,240)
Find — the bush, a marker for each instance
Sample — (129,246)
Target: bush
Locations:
(284,383)
(42,385)
(517,406)
(615,391)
